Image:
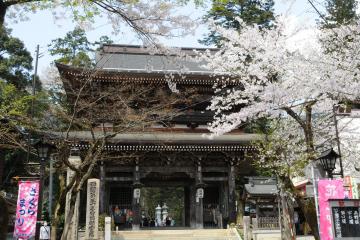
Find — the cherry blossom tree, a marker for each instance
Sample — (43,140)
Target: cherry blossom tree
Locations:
(282,80)
(147,18)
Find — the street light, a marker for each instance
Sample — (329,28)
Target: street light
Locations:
(43,151)
(327,161)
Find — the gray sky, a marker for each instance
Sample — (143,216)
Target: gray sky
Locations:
(41,28)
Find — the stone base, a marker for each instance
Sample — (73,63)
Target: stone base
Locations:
(135,227)
(266,234)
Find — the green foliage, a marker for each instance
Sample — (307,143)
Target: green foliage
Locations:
(15,60)
(72,49)
(102,222)
(225,13)
(75,49)
(105,40)
(260,126)
(173,197)
(81,10)
(13,103)
(339,12)
(275,156)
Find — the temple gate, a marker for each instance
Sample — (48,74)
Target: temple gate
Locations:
(169,153)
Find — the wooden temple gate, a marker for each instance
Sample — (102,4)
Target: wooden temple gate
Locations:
(170,152)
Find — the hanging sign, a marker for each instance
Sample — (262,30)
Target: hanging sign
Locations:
(137,193)
(328,189)
(26,211)
(200,193)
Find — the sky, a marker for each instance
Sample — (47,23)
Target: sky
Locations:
(41,28)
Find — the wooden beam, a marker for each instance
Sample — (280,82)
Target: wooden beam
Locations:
(119,169)
(119,179)
(215,179)
(169,168)
(102,188)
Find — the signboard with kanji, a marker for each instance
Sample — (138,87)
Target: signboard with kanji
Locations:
(345,216)
(328,189)
(92,209)
(26,211)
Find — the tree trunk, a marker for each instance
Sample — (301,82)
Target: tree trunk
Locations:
(70,215)
(4,218)
(3,9)
(2,166)
(59,204)
(306,206)
(309,210)
(287,214)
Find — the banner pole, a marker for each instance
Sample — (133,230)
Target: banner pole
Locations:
(315,197)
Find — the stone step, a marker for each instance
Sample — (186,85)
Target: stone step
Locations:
(189,234)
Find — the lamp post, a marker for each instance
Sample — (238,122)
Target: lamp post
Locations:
(43,150)
(327,161)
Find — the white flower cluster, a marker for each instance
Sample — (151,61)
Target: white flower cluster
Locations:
(276,77)
(149,18)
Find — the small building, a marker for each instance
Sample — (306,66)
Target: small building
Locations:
(261,199)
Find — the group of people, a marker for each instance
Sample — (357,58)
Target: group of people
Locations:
(122,217)
(152,222)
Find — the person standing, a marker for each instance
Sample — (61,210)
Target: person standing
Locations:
(44,232)
(117,217)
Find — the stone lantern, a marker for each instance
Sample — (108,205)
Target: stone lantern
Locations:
(158,216)
(164,212)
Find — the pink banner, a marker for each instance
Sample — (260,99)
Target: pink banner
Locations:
(328,189)
(26,211)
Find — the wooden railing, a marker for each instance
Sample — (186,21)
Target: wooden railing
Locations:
(268,223)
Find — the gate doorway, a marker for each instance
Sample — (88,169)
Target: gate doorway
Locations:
(211,205)
(162,203)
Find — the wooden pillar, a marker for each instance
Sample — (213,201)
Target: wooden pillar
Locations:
(136,201)
(225,201)
(192,196)
(102,188)
(232,194)
(199,209)
(187,206)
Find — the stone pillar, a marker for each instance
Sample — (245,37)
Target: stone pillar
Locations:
(136,200)
(232,194)
(247,233)
(72,235)
(199,209)
(102,188)
(92,209)
(107,229)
